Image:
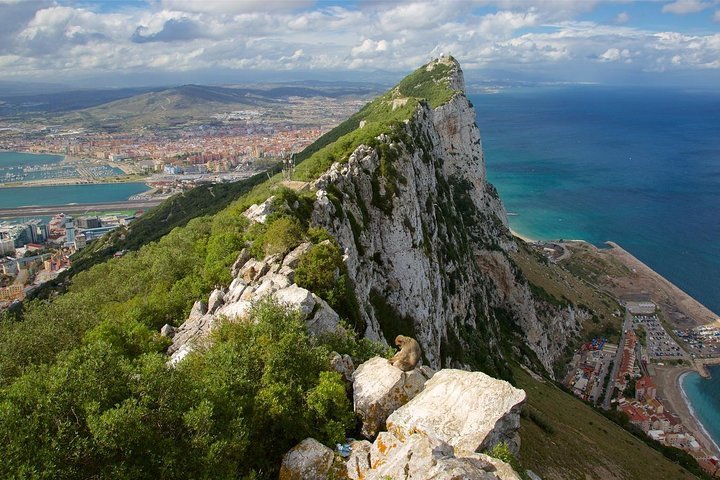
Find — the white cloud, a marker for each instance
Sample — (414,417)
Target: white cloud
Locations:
(683,7)
(716,16)
(622,17)
(615,54)
(178,35)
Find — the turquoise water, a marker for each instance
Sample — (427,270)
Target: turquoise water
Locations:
(65,194)
(704,396)
(640,167)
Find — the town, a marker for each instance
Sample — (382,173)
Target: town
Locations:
(622,377)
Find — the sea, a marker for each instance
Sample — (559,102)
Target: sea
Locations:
(11,197)
(703,395)
(638,166)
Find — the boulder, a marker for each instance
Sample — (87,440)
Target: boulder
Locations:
(235,291)
(324,320)
(236,310)
(291,259)
(342,364)
(242,257)
(379,389)
(296,297)
(167,331)
(309,459)
(421,456)
(287,272)
(468,410)
(191,332)
(198,310)
(216,300)
(259,212)
(358,463)
(271,283)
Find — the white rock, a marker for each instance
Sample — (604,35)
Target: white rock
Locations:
(291,259)
(325,319)
(242,257)
(422,457)
(236,310)
(259,213)
(379,389)
(191,332)
(235,291)
(358,463)
(309,459)
(181,353)
(271,283)
(198,310)
(167,330)
(469,410)
(296,297)
(216,300)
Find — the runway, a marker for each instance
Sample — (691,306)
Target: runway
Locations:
(48,210)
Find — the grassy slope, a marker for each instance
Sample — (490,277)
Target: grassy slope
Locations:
(583,443)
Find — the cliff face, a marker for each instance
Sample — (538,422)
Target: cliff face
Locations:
(426,241)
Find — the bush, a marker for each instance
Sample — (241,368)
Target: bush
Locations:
(112,408)
(282,235)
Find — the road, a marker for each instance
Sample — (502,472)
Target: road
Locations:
(627,325)
(48,210)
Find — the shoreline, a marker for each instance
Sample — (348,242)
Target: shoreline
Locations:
(522,237)
(669,385)
(691,410)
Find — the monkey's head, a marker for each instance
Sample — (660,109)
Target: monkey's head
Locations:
(400,340)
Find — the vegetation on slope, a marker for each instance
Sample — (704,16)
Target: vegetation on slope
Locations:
(564,438)
(112,409)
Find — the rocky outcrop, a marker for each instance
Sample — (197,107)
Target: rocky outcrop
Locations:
(470,411)
(254,280)
(380,388)
(427,241)
(438,434)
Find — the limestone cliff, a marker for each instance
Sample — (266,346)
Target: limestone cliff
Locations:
(426,239)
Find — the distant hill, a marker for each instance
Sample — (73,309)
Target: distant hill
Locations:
(162,106)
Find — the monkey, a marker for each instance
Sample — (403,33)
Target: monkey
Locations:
(409,355)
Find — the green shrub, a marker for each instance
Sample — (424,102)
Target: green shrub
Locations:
(282,235)
(501,451)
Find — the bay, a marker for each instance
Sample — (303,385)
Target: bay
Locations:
(703,395)
(66,194)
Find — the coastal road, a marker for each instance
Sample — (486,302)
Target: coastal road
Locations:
(627,324)
(48,210)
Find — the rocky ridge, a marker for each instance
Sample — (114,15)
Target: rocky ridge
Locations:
(427,241)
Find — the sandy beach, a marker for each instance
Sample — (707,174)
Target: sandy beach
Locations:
(668,384)
(522,237)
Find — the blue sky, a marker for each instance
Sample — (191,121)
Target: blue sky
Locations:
(214,41)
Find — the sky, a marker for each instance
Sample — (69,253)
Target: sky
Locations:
(146,42)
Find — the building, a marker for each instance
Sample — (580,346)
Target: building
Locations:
(80,241)
(7,245)
(641,308)
(87,222)
(645,389)
(11,292)
(69,233)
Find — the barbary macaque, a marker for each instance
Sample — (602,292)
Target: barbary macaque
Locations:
(409,355)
